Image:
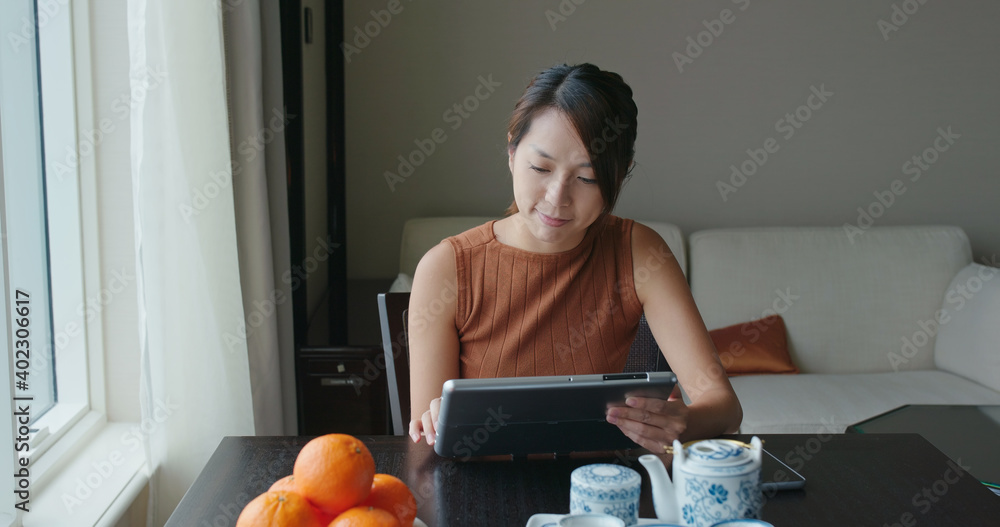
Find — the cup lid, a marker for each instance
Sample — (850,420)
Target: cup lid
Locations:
(605,475)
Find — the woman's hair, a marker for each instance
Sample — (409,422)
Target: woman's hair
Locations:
(599,105)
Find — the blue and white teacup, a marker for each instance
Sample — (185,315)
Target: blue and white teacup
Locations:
(604,488)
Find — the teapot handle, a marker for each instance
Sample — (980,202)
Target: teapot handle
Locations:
(756,449)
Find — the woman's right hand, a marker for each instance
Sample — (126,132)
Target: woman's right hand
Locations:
(427,424)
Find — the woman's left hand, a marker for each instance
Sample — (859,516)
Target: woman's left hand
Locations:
(652,423)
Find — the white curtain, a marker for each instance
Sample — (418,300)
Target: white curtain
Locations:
(210,368)
(258,120)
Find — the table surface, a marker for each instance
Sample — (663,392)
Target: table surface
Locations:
(853,479)
(966,433)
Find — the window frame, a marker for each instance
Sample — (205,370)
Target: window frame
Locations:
(60,121)
(63,63)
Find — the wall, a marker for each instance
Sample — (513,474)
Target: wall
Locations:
(892,81)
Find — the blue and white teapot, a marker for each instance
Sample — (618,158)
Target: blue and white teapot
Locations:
(714,480)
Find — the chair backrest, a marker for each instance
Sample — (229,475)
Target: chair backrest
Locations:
(392,308)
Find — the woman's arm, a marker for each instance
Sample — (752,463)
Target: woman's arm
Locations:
(433,338)
(681,335)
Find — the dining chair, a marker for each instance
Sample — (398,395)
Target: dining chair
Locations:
(392,311)
(644,355)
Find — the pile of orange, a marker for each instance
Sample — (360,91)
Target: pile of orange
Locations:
(333,484)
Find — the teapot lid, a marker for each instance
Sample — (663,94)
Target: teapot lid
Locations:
(718,453)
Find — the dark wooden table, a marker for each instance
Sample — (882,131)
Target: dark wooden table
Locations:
(865,479)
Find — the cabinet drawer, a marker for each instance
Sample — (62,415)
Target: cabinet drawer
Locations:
(342,392)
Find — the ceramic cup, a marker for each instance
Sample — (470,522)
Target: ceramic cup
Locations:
(591,520)
(742,523)
(604,488)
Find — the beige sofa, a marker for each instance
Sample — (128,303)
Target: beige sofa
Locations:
(875,320)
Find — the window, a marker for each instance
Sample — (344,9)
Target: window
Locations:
(42,249)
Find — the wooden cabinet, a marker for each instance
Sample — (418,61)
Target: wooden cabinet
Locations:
(339,386)
(342,389)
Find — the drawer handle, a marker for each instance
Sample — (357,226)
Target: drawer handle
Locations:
(340,381)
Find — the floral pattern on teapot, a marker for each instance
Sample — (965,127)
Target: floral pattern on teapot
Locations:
(707,502)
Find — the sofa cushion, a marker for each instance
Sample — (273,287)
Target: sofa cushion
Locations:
(829,403)
(848,300)
(754,347)
(968,326)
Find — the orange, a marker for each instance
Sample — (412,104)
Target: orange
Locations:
(288,483)
(365,517)
(285,483)
(279,508)
(334,472)
(391,494)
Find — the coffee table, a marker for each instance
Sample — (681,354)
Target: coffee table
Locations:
(853,479)
(965,433)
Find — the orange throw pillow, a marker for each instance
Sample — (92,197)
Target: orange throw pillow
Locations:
(758,346)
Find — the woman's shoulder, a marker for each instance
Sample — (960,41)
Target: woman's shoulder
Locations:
(645,240)
(618,230)
(439,262)
(479,235)
(437,266)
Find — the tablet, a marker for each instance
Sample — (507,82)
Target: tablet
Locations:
(539,415)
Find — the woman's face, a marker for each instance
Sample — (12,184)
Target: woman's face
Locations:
(555,188)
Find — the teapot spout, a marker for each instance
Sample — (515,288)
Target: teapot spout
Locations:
(664,498)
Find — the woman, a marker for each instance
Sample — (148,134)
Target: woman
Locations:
(558,286)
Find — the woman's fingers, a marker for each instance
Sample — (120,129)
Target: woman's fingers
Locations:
(435,410)
(427,424)
(643,434)
(416,430)
(651,423)
(429,421)
(643,440)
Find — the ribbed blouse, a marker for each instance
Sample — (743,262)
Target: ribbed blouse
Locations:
(521,313)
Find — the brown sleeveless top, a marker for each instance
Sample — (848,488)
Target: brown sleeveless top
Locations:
(523,314)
